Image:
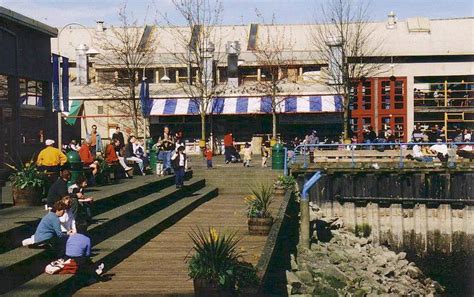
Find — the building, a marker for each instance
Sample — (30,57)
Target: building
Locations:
(26,118)
(428,78)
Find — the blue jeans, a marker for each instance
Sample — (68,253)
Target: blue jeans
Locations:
(179,176)
(165,156)
(209,163)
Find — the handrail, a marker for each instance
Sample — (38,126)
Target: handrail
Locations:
(304,209)
(301,149)
(309,184)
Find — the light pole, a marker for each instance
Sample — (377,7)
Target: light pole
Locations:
(89,51)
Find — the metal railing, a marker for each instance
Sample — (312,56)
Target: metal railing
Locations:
(303,150)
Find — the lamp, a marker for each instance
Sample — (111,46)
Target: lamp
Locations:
(165,78)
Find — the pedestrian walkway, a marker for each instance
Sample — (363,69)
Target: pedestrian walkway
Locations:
(159,266)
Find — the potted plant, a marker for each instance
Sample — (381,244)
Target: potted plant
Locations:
(27,184)
(215,266)
(285,183)
(258,209)
(104,174)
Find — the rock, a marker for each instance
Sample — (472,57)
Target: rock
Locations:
(363,241)
(337,256)
(291,278)
(401,255)
(380,260)
(372,268)
(437,287)
(401,264)
(305,276)
(388,272)
(297,288)
(293,264)
(414,272)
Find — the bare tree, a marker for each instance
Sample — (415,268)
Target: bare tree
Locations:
(343,39)
(125,51)
(201,49)
(273,55)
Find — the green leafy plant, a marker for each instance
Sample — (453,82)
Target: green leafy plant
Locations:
(26,176)
(104,171)
(216,258)
(362,230)
(259,201)
(285,182)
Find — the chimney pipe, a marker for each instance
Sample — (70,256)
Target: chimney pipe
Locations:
(99,26)
(392,20)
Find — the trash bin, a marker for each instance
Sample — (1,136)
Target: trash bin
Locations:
(76,166)
(278,156)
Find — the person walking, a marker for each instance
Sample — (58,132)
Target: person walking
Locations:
(95,140)
(228,147)
(50,159)
(264,156)
(179,164)
(247,154)
(208,154)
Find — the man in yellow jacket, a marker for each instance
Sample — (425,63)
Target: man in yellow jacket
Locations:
(50,158)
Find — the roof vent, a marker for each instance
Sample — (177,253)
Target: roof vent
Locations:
(392,20)
(99,27)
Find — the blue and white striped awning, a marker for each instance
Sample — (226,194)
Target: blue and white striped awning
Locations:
(247,105)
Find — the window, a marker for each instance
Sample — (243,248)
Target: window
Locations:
(3,88)
(31,92)
(366,95)
(149,74)
(385,92)
(222,74)
(106,76)
(100,109)
(247,74)
(399,94)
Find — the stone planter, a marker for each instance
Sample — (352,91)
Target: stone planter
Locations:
(27,196)
(260,226)
(206,287)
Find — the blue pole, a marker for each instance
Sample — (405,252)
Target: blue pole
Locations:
(285,160)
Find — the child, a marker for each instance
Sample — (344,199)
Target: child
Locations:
(208,153)
(264,156)
(67,221)
(179,164)
(247,155)
(49,226)
(80,204)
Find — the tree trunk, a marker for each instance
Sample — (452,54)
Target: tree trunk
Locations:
(274,125)
(203,126)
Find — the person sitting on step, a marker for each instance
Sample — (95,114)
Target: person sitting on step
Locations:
(49,227)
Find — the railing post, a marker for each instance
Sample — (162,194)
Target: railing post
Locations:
(400,165)
(305,164)
(285,160)
(304,210)
(352,155)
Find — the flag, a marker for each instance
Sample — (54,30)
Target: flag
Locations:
(65,84)
(145,98)
(56,104)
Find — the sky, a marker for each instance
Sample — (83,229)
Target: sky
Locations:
(58,13)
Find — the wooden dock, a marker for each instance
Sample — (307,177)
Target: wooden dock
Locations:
(159,267)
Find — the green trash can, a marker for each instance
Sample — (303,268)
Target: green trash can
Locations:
(152,154)
(278,156)
(75,163)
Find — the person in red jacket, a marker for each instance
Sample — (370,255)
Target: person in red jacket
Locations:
(228,146)
(87,159)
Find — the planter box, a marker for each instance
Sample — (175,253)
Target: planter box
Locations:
(260,226)
(209,288)
(27,196)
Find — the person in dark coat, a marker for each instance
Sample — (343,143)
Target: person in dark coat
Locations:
(59,188)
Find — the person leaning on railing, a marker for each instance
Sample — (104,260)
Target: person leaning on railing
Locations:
(50,159)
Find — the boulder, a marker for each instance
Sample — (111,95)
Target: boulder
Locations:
(291,278)
(401,256)
(305,276)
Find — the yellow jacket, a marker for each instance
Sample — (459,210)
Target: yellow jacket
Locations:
(51,156)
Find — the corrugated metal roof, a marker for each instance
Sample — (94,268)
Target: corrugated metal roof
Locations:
(28,22)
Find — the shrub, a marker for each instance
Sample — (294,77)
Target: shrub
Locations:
(286,182)
(362,230)
(259,201)
(216,258)
(26,176)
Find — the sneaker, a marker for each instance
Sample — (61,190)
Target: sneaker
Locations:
(128,168)
(28,241)
(100,269)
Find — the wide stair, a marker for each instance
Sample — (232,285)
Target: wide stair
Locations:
(126,216)
(159,267)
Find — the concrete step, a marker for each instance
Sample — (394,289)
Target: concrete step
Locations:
(17,223)
(118,247)
(21,264)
